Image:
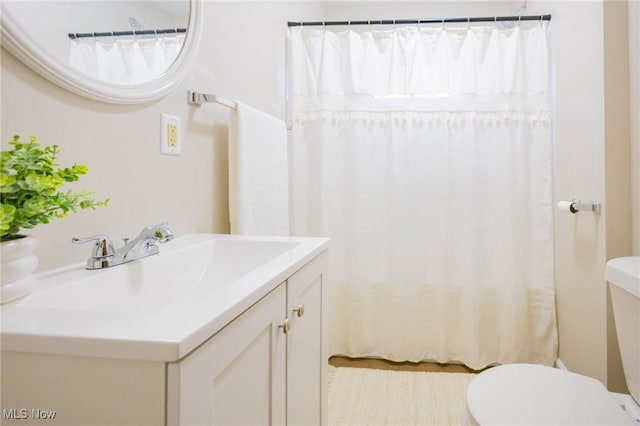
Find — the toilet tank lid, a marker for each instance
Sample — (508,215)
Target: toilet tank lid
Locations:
(624,272)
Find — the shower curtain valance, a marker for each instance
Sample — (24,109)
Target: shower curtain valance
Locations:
(480,69)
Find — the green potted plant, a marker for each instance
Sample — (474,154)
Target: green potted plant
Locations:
(31,194)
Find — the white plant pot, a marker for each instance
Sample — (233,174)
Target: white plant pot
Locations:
(18,263)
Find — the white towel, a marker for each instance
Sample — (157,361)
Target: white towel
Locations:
(258,173)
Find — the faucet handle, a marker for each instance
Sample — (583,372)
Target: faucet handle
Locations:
(102,248)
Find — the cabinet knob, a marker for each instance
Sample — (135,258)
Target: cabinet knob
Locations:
(299,310)
(286,326)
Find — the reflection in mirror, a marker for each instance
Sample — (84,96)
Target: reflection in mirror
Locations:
(118,51)
(122,60)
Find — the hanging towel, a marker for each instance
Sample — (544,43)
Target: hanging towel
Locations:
(258,173)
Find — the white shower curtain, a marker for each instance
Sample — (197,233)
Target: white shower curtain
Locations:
(425,154)
(125,60)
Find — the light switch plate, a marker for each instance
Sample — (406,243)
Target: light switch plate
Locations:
(170,135)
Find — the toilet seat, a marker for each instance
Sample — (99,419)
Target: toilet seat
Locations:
(537,395)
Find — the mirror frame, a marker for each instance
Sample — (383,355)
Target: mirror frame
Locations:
(32,55)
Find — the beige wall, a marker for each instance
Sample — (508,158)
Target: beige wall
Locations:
(634,113)
(579,172)
(242,58)
(591,156)
(121,146)
(617,161)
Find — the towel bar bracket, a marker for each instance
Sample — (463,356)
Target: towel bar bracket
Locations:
(197,99)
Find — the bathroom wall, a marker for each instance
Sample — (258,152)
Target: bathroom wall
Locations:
(634,114)
(584,164)
(242,57)
(361,10)
(617,161)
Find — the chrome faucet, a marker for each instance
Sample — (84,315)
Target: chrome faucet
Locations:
(145,244)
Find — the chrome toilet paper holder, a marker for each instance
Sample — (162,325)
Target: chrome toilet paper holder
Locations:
(575,206)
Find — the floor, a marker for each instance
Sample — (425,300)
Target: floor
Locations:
(375,392)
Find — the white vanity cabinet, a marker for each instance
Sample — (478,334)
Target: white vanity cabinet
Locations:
(267,367)
(216,330)
(307,345)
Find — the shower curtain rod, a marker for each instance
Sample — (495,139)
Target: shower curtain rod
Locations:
(74,36)
(468,20)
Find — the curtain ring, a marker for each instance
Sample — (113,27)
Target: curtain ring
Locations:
(442,28)
(468,22)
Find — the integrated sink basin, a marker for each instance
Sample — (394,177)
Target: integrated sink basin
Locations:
(159,307)
(193,267)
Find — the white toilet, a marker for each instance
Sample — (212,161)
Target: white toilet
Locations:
(537,395)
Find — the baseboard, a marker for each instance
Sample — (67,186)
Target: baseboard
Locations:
(560,365)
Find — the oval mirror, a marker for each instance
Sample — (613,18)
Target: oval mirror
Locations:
(116,51)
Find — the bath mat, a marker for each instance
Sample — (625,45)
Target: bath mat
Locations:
(364,396)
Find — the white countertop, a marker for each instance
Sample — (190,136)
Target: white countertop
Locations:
(152,331)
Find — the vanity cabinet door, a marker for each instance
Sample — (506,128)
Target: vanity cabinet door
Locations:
(307,353)
(238,376)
